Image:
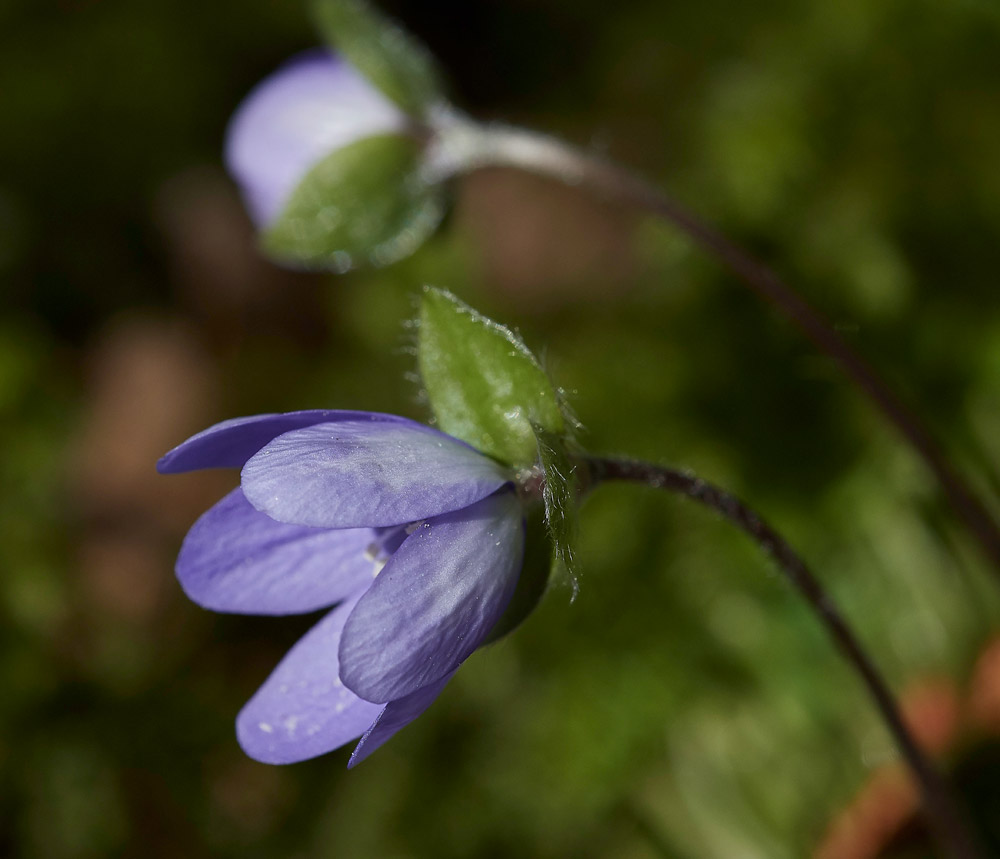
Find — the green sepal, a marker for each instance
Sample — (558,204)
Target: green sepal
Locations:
(363,203)
(560,492)
(396,63)
(483,384)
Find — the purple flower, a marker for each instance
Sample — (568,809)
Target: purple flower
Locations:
(414,536)
(312,105)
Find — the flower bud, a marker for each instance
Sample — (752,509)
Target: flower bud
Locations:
(330,167)
(311,106)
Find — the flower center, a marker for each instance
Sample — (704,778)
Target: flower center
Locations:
(386,541)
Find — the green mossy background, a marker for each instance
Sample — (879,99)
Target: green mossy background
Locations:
(685,704)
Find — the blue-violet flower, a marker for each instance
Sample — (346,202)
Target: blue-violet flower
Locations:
(416,538)
(312,105)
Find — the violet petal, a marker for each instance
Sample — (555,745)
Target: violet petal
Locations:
(395,716)
(303,710)
(354,474)
(435,600)
(236,559)
(231,443)
(309,107)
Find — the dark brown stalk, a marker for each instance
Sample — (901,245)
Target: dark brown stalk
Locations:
(944,812)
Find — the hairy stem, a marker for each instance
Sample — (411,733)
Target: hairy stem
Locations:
(943,810)
(461,146)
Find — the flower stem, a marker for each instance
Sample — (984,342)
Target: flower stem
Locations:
(942,808)
(461,146)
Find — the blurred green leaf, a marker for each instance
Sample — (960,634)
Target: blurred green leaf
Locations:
(559,492)
(363,203)
(400,66)
(484,386)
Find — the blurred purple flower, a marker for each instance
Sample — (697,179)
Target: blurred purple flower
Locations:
(415,536)
(312,105)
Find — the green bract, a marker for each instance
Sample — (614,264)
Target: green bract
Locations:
(487,389)
(484,386)
(363,203)
(383,52)
(559,492)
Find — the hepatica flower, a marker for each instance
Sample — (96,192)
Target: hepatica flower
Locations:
(331,167)
(412,537)
(415,539)
(312,106)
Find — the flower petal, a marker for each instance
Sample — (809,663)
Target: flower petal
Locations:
(435,601)
(236,559)
(353,474)
(395,716)
(309,107)
(231,443)
(303,710)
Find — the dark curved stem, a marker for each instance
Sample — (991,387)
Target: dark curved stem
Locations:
(463,146)
(943,811)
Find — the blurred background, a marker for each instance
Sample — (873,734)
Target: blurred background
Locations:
(685,705)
